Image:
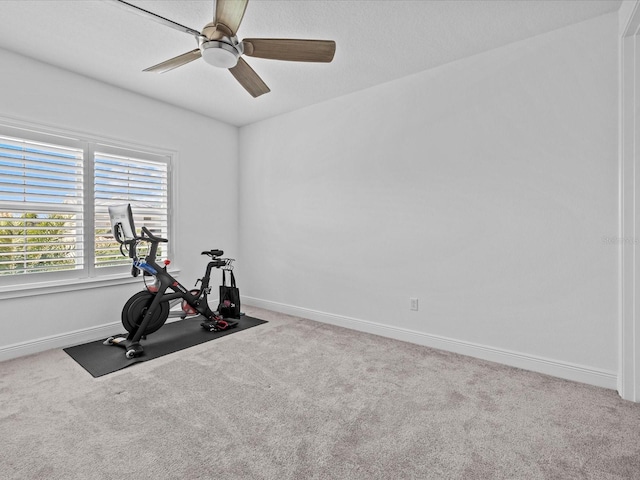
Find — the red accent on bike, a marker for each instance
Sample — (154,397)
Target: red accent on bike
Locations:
(167,262)
(223,324)
(153,288)
(188,309)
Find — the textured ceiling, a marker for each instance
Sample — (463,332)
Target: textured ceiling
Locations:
(377,41)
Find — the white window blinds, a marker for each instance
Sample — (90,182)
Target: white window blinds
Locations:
(41,207)
(142,182)
(54,192)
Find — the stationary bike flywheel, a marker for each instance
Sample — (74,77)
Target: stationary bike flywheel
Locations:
(136,308)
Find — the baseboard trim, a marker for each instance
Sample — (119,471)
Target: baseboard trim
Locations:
(62,340)
(565,370)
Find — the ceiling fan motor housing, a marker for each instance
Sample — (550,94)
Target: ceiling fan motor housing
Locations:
(222,53)
(218,45)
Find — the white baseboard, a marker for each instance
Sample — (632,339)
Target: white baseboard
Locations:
(62,340)
(565,370)
(569,371)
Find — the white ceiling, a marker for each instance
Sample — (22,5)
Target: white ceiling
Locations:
(377,41)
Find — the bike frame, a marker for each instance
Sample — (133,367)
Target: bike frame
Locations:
(165,281)
(165,289)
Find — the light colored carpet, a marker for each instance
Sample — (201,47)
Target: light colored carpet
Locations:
(296,399)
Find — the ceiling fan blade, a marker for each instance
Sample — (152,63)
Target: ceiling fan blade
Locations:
(175,62)
(249,79)
(290,49)
(229,13)
(157,18)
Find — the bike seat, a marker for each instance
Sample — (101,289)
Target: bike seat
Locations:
(213,253)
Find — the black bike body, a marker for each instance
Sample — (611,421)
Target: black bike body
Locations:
(147,311)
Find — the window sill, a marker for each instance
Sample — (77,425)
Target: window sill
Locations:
(69,285)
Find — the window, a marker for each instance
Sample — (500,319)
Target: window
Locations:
(127,179)
(54,197)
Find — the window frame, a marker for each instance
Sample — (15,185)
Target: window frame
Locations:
(89,276)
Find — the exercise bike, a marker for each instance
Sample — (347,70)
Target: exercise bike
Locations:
(147,311)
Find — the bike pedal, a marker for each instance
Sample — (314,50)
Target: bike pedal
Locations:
(210,326)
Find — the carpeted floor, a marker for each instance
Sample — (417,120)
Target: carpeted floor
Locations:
(296,399)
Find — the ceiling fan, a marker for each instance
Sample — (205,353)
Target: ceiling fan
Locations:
(218,45)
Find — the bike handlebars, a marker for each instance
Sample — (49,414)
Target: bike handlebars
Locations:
(147,266)
(151,237)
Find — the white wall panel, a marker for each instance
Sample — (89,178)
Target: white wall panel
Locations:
(487,188)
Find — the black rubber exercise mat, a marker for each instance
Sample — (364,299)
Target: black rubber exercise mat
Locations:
(99,359)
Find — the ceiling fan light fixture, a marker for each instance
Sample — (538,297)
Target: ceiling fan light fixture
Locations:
(218,45)
(219,54)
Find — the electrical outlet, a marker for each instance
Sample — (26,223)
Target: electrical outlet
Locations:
(413,304)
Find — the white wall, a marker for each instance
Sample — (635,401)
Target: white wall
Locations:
(484,188)
(625,13)
(206,212)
